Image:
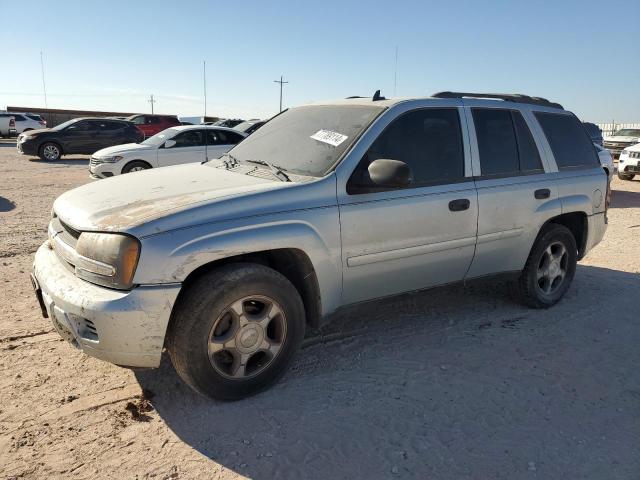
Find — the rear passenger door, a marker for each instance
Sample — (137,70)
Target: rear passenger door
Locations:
(220,142)
(189,148)
(411,238)
(516,195)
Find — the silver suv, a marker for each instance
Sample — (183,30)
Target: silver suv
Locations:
(226,263)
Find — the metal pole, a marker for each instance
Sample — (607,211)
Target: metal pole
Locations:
(281,82)
(151,101)
(204,72)
(44,85)
(395,75)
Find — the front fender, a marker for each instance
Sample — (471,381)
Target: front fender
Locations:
(170,257)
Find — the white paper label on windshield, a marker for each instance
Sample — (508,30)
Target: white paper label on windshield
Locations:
(327,136)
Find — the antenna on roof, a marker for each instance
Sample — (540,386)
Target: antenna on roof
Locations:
(377,96)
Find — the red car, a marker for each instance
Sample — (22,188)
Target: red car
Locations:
(149,125)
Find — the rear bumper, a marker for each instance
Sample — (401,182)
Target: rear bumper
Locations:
(122,327)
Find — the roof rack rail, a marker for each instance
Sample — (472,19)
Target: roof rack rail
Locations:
(508,97)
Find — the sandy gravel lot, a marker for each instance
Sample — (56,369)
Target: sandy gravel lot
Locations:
(456,383)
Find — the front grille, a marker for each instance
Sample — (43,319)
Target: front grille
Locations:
(94,161)
(634,154)
(70,231)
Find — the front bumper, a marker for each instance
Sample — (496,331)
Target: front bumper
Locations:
(626,164)
(99,170)
(122,327)
(617,148)
(27,148)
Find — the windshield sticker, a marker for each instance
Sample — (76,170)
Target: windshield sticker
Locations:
(327,136)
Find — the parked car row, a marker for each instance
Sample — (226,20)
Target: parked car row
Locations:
(173,146)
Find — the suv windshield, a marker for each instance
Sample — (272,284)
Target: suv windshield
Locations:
(627,132)
(161,137)
(307,140)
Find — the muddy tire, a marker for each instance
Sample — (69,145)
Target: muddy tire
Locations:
(625,176)
(235,330)
(50,151)
(550,268)
(136,166)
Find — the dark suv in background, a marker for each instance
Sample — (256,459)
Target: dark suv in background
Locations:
(77,136)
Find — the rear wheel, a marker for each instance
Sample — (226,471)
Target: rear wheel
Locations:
(626,176)
(50,151)
(550,268)
(235,330)
(135,166)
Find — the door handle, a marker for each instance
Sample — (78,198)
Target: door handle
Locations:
(459,205)
(542,193)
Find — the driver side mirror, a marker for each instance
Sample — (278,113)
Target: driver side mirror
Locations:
(169,143)
(386,173)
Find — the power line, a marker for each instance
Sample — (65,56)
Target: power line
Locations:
(44,85)
(281,82)
(151,101)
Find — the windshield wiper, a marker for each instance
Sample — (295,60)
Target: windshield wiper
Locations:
(277,171)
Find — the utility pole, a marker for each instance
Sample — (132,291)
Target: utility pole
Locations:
(281,82)
(44,85)
(204,78)
(151,101)
(395,75)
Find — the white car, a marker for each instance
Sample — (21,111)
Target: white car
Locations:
(28,121)
(173,146)
(629,163)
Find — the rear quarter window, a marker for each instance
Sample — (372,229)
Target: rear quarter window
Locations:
(569,142)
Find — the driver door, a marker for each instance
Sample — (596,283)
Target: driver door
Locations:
(411,238)
(189,147)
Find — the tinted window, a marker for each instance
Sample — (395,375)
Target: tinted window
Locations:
(428,140)
(527,150)
(111,125)
(19,118)
(229,138)
(497,143)
(570,144)
(191,138)
(139,120)
(80,126)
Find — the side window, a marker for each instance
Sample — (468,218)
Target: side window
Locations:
(153,120)
(505,143)
(139,120)
(19,118)
(569,142)
(230,138)
(191,138)
(80,126)
(428,140)
(527,150)
(496,141)
(110,126)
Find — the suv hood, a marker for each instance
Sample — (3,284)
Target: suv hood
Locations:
(126,201)
(127,147)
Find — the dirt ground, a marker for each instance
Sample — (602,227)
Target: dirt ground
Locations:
(459,382)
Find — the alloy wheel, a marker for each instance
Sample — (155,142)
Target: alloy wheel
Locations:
(247,336)
(552,268)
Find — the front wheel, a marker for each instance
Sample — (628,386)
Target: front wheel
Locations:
(50,151)
(625,176)
(550,268)
(135,166)
(235,330)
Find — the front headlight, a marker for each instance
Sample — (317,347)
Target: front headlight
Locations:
(113,159)
(110,259)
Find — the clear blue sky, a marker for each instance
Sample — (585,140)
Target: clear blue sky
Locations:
(111,55)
